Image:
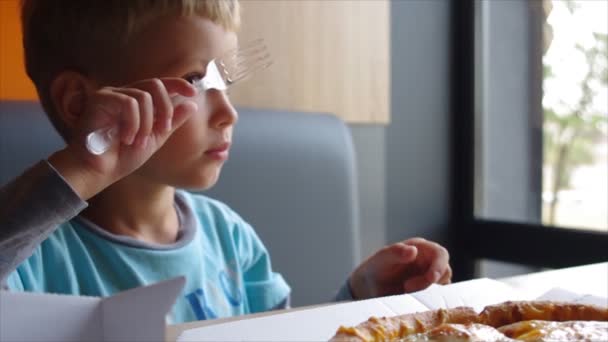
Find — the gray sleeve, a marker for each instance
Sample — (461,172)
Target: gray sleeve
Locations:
(31,208)
(344,294)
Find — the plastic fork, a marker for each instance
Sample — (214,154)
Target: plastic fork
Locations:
(221,73)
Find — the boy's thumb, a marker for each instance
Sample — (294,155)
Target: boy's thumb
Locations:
(182,112)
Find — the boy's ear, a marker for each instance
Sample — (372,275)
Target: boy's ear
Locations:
(69,93)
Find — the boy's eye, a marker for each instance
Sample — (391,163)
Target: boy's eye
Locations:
(194,78)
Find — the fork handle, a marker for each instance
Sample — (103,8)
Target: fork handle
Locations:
(99,141)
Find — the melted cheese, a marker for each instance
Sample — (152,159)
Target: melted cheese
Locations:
(460,333)
(557,331)
(520,331)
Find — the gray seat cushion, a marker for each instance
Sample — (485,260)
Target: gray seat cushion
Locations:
(26,136)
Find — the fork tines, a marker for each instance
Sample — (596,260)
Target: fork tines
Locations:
(246,60)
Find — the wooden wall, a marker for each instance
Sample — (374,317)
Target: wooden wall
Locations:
(329,56)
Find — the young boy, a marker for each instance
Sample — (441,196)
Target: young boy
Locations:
(106,63)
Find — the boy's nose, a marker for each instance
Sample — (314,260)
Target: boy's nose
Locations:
(223,113)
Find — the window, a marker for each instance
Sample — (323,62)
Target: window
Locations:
(530,131)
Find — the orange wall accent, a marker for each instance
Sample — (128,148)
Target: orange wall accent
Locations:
(14,83)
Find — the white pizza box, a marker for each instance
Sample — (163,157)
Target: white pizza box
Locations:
(133,315)
(320,324)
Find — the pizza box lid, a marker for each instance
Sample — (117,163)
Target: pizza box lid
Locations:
(133,315)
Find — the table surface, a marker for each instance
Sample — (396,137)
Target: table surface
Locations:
(588,279)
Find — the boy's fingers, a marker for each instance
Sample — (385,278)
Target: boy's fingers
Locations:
(416,283)
(179,87)
(437,257)
(129,118)
(446,278)
(163,108)
(146,113)
(405,253)
(416,241)
(162,90)
(399,253)
(107,106)
(438,266)
(421,282)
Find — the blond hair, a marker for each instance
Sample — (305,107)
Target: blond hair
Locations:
(83,35)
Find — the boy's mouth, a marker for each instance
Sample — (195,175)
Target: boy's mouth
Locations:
(219,152)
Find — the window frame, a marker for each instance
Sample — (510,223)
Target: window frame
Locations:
(471,238)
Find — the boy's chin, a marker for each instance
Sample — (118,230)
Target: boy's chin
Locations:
(196,188)
(199,184)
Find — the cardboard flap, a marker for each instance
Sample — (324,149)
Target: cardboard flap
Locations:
(48,317)
(559,294)
(401,304)
(476,293)
(139,314)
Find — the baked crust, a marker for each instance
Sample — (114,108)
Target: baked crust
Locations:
(391,328)
(398,327)
(511,312)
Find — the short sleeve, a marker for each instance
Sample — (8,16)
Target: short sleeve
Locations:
(267,294)
(265,288)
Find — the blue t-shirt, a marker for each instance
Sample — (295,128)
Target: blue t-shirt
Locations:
(227,268)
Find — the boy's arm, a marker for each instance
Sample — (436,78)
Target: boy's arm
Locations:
(31,207)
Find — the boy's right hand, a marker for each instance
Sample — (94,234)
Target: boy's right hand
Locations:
(145,116)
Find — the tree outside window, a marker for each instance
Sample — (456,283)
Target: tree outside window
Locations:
(575,129)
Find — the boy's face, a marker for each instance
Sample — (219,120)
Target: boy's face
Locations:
(193,156)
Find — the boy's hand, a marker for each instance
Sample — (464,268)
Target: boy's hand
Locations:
(145,117)
(407,266)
